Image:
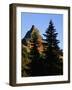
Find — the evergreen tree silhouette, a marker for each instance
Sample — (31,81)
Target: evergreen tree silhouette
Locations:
(26,62)
(35,56)
(53,66)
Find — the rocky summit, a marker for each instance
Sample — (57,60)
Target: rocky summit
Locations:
(26,41)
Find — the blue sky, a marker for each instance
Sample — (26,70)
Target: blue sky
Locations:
(41,21)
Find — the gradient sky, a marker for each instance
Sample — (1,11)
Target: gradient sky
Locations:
(41,21)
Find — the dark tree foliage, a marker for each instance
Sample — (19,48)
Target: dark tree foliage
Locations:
(41,63)
(53,66)
(26,70)
(36,63)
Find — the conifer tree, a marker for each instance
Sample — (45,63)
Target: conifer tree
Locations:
(26,70)
(36,66)
(53,65)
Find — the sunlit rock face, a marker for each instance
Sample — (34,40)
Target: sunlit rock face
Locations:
(28,37)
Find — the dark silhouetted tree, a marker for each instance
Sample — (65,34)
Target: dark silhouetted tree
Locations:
(26,62)
(53,66)
(36,64)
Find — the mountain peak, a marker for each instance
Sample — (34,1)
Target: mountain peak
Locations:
(28,35)
(33,29)
(33,26)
